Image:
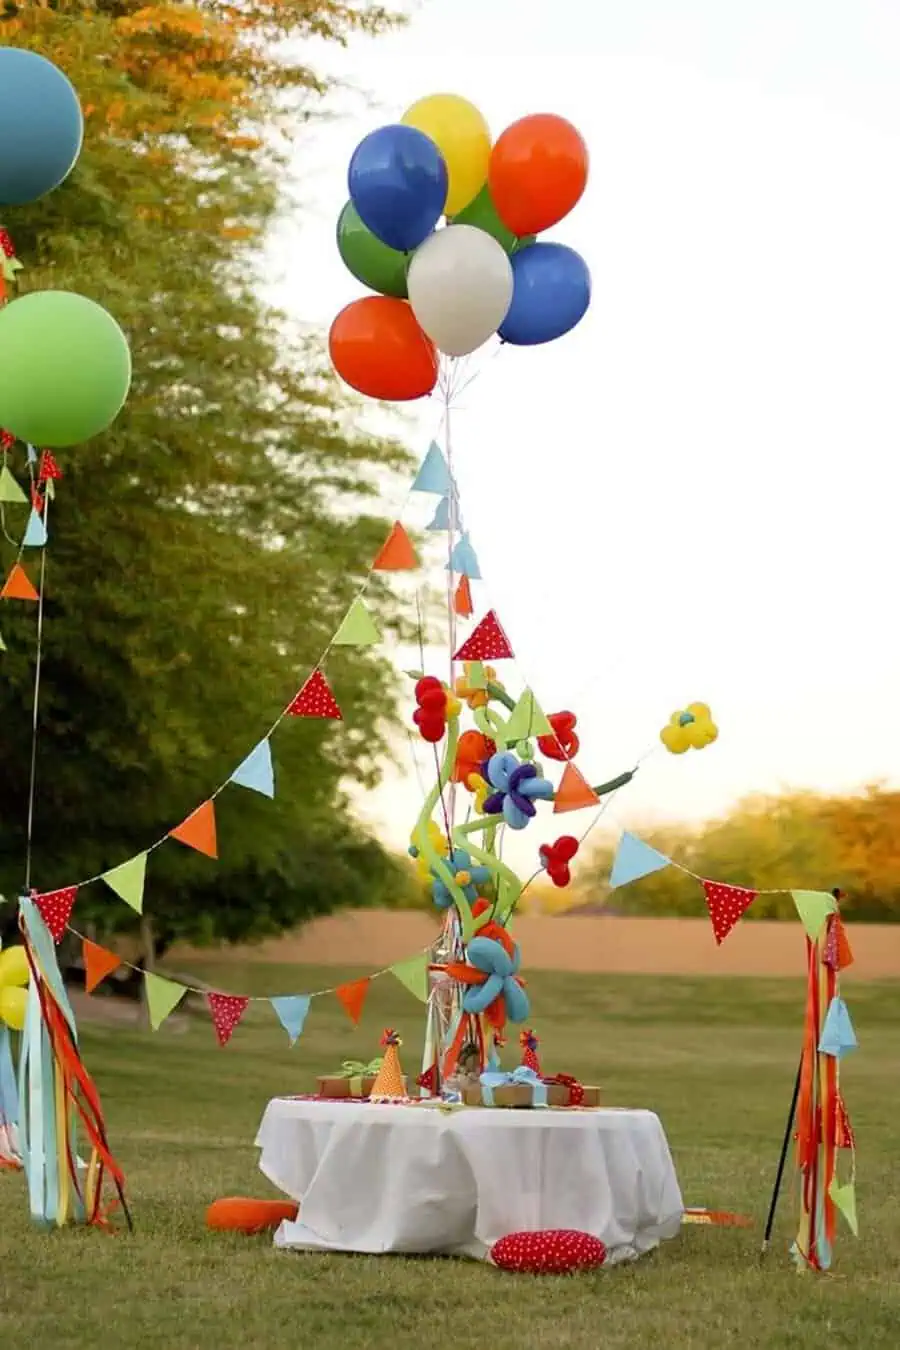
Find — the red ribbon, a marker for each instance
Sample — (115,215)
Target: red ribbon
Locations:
(576,1090)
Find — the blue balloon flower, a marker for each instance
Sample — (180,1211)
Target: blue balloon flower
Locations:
(501,969)
(516,788)
(551,293)
(398,184)
(41,126)
(461,867)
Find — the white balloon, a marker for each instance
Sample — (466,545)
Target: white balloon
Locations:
(460,287)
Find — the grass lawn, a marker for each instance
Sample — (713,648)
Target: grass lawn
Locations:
(715,1058)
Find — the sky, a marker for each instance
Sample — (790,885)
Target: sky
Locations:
(694,495)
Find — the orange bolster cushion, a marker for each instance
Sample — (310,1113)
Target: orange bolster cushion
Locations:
(241,1214)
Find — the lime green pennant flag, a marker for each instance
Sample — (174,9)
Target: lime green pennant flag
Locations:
(50,489)
(127,880)
(413,975)
(527,719)
(476,675)
(357,629)
(844,1198)
(814,908)
(9,488)
(2,644)
(163,997)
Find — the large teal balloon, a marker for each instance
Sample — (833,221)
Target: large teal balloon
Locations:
(65,368)
(373,263)
(41,126)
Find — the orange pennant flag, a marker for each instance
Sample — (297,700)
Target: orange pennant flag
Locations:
(397,553)
(98,963)
(462,599)
(199,830)
(17,586)
(352,997)
(573,792)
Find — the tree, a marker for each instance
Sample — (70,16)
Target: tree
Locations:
(203,551)
(799,840)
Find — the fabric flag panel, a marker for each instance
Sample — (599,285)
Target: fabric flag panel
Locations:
(127,880)
(487,642)
(98,963)
(198,830)
(163,997)
(574,792)
(634,859)
(462,599)
(227,1010)
(35,535)
(463,560)
(56,909)
(433,475)
(17,586)
(291,1011)
(814,908)
(352,996)
(257,771)
(838,1036)
(315,699)
(413,975)
(526,720)
(726,904)
(357,628)
(397,553)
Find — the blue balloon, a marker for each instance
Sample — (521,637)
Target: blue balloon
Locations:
(41,126)
(398,184)
(551,293)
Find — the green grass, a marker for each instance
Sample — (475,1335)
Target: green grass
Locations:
(716,1060)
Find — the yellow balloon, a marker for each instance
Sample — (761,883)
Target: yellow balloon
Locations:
(13,1005)
(13,967)
(462,135)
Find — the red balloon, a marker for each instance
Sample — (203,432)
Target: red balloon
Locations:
(537,173)
(377,346)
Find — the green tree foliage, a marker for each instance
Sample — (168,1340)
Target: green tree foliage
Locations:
(802,840)
(202,552)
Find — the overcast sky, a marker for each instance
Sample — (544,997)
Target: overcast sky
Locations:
(711,459)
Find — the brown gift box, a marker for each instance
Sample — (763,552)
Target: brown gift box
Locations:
(359,1088)
(518,1095)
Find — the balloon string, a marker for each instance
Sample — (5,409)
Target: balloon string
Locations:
(39,651)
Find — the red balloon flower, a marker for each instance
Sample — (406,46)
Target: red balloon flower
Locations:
(555,859)
(563,745)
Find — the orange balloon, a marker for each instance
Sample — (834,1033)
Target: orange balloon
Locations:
(377,346)
(537,173)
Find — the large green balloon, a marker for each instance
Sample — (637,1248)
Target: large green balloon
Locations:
(380,268)
(482,213)
(65,368)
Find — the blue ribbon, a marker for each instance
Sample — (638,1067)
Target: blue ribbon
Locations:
(521,1076)
(9,1092)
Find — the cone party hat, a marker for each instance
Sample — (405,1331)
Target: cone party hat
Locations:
(389,1082)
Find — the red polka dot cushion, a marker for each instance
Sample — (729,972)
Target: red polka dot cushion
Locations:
(558,1251)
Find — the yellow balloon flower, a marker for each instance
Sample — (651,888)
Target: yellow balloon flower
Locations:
(438,841)
(14,975)
(475,696)
(462,135)
(690,729)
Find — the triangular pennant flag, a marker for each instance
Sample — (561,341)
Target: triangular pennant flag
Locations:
(198,830)
(463,559)
(17,586)
(635,859)
(163,997)
(49,467)
(433,475)
(837,953)
(413,975)
(838,1036)
(357,628)
(315,700)
(56,909)
(574,792)
(10,491)
(257,772)
(37,500)
(50,489)
(526,720)
(98,963)
(476,675)
(843,1134)
(397,553)
(291,1012)
(352,997)
(844,1198)
(127,880)
(488,642)
(814,908)
(726,904)
(227,1010)
(462,599)
(441,518)
(35,535)
(2,644)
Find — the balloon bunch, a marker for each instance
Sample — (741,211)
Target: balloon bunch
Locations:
(65,366)
(447,288)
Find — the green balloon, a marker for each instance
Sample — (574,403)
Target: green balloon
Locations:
(482,213)
(380,268)
(65,369)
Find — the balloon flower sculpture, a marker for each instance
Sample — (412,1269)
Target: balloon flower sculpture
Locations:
(443,226)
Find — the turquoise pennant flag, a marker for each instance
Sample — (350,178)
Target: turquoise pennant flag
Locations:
(256,772)
(635,859)
(291,1012)
(433,476)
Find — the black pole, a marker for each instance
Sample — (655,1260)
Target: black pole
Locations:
(770,1221)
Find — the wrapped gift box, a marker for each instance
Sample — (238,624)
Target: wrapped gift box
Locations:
(523,1089)
(357,1086)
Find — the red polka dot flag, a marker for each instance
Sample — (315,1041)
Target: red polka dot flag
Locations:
(315,699)
(56,909)
(48,467)
(227,1010)
(488,642)
(726,904)
(557,1251)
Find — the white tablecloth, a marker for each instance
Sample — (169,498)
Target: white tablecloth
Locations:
(392,1178)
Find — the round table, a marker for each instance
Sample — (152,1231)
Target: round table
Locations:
(420,1179)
